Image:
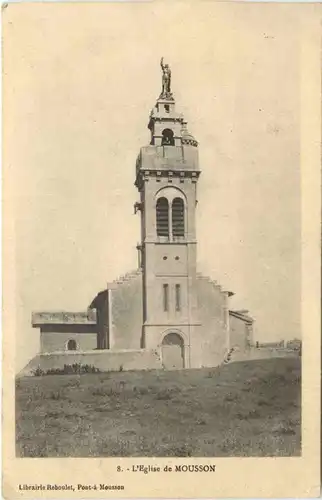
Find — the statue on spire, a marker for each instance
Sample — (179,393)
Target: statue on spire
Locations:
(166,80)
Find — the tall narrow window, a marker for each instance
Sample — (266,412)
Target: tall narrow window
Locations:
(162,214)
(166,297)
(178,298)
(178,218)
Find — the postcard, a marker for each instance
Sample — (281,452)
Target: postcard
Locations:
(161,250)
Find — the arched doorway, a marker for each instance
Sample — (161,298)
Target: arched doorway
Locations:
(173,352)
(71,345)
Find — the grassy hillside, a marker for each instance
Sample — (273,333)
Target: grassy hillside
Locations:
(241,409)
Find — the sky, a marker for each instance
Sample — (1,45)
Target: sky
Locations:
(80,81)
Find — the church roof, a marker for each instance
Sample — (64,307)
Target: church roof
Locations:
(99,300)
(187,137)
(242,315)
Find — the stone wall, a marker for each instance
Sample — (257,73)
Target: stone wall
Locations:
(237,333)
(104,360)
(211,312)
(127,313)
(262,353)
(55,337)
(279,344)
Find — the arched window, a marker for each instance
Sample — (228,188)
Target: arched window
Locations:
(178,217)
(162,213)
(71,345)
(167,137)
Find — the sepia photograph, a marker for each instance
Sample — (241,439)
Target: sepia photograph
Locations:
(154,162)
(161,345)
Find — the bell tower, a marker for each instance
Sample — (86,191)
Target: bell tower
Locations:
(167,173)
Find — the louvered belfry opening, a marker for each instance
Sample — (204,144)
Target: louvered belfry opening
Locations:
(162,212)
(178,218)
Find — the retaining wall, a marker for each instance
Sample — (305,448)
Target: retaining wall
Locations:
(104,360)
(262,353)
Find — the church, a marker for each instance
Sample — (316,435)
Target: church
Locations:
(164,314)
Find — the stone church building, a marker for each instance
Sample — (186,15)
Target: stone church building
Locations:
(165,313)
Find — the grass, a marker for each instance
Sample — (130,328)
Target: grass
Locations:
(240,409)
